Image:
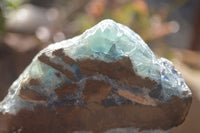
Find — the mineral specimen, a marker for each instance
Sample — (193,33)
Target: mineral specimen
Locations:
(105,80)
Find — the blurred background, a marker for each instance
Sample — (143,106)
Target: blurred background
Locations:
(170,27)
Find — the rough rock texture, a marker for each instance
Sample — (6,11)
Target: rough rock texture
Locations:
(105,80)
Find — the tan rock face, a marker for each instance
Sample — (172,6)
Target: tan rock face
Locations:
(116,100)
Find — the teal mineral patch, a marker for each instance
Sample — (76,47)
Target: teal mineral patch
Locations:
(109,41)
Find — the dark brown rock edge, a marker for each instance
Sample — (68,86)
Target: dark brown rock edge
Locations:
(93,115)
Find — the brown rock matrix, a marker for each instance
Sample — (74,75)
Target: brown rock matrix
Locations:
(99,110)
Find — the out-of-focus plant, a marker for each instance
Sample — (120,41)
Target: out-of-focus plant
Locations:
(12,4)
(2,22)
(151,24)
(133,13)
(75,16)
(5,7)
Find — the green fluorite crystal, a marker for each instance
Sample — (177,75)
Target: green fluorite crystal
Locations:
(108,41)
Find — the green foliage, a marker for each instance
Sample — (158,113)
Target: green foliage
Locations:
(2,22)
(13,4)
(5,7)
